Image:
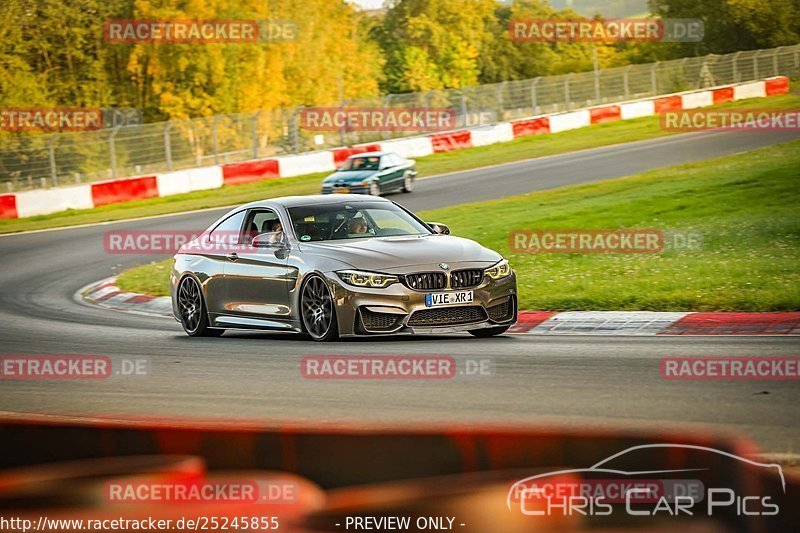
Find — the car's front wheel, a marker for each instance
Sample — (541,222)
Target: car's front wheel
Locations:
(192,310)
(408,182)
(489,332)
(317,310)
(374,189)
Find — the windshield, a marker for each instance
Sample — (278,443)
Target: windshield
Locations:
(329,222)
(362,163)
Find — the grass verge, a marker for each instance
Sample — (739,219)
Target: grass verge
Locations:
(517,150)
(747,207)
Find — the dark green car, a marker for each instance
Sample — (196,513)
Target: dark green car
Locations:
(372,173)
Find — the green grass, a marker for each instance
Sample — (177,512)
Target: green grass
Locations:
(520,149)
(747,207)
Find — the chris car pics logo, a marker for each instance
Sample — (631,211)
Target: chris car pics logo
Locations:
(607,488)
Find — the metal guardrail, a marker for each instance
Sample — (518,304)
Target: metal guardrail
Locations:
(33,161)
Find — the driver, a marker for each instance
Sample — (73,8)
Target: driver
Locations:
(356,226)
(277,232)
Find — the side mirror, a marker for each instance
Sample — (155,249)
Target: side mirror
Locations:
(439,228)
(272,239)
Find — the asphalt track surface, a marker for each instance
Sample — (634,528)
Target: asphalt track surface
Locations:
(573,381)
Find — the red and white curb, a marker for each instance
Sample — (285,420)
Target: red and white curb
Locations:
(646,323)
(87,196)
(106,294)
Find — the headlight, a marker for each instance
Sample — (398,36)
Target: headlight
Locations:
(366,279)
(500,270)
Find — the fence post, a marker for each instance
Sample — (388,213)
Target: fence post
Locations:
(386,103)
(596,81)
(534,99)
(113,151)
(168,144)
(295,130)
(625,81)
(464,108)
(215,138)
(52,151)
(255,133)
(566,91)
(500,103)
(701,75)
(755,64)
(736,66)
(343,129)
(654,78)
(775,60)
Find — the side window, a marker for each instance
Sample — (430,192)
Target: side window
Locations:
(228,230)
(260,221)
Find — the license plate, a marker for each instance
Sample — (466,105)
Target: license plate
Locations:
(438,299)
(341,191)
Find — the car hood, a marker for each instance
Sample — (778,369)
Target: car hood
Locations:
(403,254)
(350,176)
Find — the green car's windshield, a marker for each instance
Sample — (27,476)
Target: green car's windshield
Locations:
(357,220)
(361,163)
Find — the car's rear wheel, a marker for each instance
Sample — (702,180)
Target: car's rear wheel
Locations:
(375,188)
(489,332)
(317,310)
(192,310)
(408,182)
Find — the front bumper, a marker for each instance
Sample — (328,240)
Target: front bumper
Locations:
(398,309)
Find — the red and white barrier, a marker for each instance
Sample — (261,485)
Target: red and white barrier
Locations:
(643,108)
(530,126)
(498,133)
(570,120)
(297,165)
(410,147)
(40,202)
(601,115)
(45,201)
(193,179)
(756,89)
(722,95)
(698,99)
(248,171)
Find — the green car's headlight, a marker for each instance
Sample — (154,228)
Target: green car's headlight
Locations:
(500,270)
(366,279)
